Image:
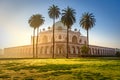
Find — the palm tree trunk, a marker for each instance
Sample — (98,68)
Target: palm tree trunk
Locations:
(37,43)
(33,43)
(87,38)
(53,37)
(67,41)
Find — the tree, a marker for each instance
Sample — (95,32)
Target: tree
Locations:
(54,13)
(68,19)
(32,24)
(84,50)
(87,21)
(118,54)
(40,21)
(35,21)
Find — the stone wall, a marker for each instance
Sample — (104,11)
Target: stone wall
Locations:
(45,51)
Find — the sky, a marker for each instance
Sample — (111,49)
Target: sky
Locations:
(14,16)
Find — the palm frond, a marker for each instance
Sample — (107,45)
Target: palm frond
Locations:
(54,12)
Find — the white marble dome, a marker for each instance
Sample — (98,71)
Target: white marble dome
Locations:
(60,26)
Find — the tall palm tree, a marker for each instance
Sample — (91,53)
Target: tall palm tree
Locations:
(35,21)
(32,24)
(40,21)
(87,21)
(54,13)
(68,19)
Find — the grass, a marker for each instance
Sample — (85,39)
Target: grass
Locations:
(60,69)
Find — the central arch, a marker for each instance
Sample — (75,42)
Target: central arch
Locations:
(74,39)
(44,39)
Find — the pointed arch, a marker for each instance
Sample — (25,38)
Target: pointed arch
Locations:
(44,39)
(74,39)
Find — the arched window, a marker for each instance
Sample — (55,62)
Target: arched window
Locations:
(74,39)
(41,50)
(39,40)
(80,41)
(59,50)
(98,51)
(93,50)
(73,50)
(44,39)
(78,50)
(51,49)
(60,37)
(46,50)
(69,49)
(90,50)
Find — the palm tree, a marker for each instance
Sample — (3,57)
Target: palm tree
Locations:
(32,24)
(54,13)
(87,21)
(35,21)
(68,19)
(40,21)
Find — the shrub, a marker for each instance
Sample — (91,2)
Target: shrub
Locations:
(84,50)
(118,54)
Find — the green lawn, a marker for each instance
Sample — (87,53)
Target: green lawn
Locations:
(60,69)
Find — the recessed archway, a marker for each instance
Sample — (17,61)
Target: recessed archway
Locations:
(44,39)
(74,39)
